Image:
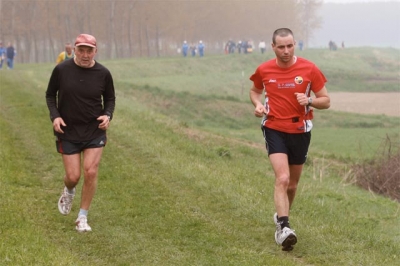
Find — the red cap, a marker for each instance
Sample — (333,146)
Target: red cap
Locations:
(85,40)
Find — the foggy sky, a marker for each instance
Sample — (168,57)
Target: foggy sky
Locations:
(357,1)
(361,23)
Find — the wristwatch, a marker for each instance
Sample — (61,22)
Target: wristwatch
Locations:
(309,101)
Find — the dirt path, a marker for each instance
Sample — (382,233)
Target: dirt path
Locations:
(387,103)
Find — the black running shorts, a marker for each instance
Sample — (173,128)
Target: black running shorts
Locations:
(294,145)
(73,147)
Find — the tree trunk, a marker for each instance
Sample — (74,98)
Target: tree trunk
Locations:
(157,41)
(130,30)
(140,41)
(147,40)
(50,56)
(113,43)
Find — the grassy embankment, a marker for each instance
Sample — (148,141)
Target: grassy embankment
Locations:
(184,178)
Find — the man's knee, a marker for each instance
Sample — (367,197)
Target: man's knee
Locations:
(73,177)
(91,172)
(282,180)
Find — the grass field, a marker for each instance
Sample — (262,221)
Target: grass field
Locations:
(185,180)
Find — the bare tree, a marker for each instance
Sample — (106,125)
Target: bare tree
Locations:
(309,19)
(147,28)
(50,34)
(130,28)
(112,29)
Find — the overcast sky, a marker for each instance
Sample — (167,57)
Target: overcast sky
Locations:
(368,28)
(349,1)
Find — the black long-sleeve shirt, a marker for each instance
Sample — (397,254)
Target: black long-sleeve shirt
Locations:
(79,96)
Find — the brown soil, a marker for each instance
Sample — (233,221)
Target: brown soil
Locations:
(387,103)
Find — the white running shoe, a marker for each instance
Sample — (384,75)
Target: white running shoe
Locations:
(285,237)
(82,225)
(276,219)
(65,201)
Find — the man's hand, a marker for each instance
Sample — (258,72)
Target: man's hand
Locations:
(255,97)
(259,111)
(302,99)
(105,122)
(57,123)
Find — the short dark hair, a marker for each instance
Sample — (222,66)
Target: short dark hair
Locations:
(282,32)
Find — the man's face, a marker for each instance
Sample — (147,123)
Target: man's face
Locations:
(284,48)
(84,55)
(68,49)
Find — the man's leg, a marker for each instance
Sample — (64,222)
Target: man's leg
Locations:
(285,187)
(279,162)
(71,179)
(295,173)
(91,161)
(283,235)
(72,165)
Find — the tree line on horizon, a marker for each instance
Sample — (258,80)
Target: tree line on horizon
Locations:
(39,29)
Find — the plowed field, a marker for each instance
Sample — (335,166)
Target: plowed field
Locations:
(387,103)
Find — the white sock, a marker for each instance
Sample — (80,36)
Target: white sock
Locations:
(83,212)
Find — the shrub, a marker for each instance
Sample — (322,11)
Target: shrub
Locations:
(381,174)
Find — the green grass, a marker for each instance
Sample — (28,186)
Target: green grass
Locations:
(184,179)
(351,70)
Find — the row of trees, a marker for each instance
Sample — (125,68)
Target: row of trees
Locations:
(136,28)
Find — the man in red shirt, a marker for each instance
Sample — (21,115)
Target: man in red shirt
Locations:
(287,81)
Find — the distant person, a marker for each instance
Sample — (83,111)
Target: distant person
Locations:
(232,47)
(185,48)
(3,54)
(10,53)
(226,48)
(81,99)
(287,82)
(342,45)
(66,54)
(193,50)
(239,47)
(200,48)
(301,45)
(332,46)
(245,46)
(262,46)
(250,47)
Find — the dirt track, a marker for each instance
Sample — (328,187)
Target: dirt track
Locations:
(366,103)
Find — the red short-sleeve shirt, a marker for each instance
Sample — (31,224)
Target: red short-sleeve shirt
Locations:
(284,113)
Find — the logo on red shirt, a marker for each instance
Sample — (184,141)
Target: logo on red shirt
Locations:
(298,80)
